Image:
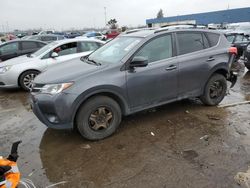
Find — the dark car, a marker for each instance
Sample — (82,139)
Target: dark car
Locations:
(47,38)
(239,40)
(131,73)
(72,35)
(17,48)
(247,56)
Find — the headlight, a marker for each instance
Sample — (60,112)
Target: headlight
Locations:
(4,69)
(55,88)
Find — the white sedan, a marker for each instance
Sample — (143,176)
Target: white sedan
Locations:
(21,71)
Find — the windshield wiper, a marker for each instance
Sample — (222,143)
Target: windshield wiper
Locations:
(93,61)
(87,60)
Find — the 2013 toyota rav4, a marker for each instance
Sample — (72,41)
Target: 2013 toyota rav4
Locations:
(133,72)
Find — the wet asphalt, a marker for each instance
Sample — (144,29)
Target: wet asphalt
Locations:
(183,144)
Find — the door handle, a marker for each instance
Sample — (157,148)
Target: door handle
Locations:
(211,59)
(171,67)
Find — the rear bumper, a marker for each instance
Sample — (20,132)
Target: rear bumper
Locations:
(53,111)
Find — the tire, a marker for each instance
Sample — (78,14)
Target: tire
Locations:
(215,90)
(248,65)
(26,77)
(90,118)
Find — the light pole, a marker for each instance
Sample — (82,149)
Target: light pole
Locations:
(105,15)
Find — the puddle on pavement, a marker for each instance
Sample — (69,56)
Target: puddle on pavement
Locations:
(173,156)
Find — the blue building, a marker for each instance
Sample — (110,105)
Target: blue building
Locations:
(216,17)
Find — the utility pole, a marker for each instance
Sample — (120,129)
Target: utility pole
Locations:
(105,15)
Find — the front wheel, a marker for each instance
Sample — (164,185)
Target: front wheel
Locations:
(98,118)
(27,78)
(215,90)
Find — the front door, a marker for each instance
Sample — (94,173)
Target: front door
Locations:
(157,82)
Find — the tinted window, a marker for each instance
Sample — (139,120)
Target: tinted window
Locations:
(230,38)
(88,46)
(9,48)
(238,38)
(66,49)
(190,42)
(48,38)
(157,49)
(29,45)
(98,34)
(213,38)
(41,44)
(245,39)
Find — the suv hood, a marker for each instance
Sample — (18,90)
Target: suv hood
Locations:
(18,60)
(67,71)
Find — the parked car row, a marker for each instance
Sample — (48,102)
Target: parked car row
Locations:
(21,71)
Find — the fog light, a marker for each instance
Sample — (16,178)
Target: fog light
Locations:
(52,118)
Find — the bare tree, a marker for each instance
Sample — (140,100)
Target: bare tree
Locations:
(112,23)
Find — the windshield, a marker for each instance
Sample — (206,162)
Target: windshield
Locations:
(115,50)
(44,49)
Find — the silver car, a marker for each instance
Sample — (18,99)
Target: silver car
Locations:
(21,71)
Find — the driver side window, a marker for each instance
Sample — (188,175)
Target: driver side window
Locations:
(157,49)
(9,48)
(66,49)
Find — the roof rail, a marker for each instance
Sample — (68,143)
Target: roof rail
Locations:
(176,26)
(137,30)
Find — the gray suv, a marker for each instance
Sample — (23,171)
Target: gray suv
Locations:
(131,73)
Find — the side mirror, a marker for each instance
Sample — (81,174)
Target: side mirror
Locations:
(54,55)
(138,61)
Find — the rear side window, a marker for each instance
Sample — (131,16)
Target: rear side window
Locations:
(29,45)
(213,39)
(40,44)
(230,38)
(88,46)
(190,42)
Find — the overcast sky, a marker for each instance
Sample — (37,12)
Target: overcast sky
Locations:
(67,14)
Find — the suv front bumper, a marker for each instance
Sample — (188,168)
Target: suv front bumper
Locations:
(53,111)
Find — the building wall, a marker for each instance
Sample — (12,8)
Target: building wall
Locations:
(217,17)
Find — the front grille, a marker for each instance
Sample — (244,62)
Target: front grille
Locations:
(37,87)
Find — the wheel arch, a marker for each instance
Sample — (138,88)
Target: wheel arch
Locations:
(18,80)
(113,95)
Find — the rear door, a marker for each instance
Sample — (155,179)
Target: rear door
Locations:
(9,50)
(157,82)
(195,60)
(28,47)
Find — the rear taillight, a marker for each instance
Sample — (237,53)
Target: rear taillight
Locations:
(233,50)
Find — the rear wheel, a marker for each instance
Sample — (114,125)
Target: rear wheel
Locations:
(248,65)
(98,118)
(27,78)
(215,90)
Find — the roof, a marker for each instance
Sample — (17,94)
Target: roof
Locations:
(20,40)
(223,16)
(78,39)
(145,33)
